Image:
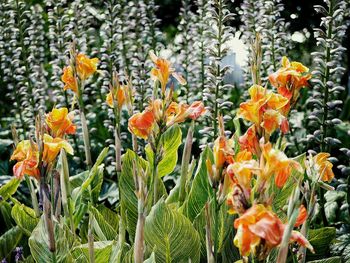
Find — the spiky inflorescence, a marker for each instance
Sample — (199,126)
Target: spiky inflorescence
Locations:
(216,94)
(25,57)
(186,47)
(274,36)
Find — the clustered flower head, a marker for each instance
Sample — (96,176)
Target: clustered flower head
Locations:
(163,113)
(35,158)
(246,167)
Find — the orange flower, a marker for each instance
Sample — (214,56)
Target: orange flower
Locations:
(278,164)
(272,119)
(249,141)
(178,112)
(259,226)
(302,216)
(85,66)
(26,153)
(252,110)
(118,94)
(60,122)
(324,167)
(52,146)
(141,124)
(290,79)
(163,70)
(69,80)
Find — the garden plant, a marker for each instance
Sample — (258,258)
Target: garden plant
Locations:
(122,140)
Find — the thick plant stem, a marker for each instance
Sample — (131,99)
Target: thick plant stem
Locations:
(216,224)
(91,241)
(139,236)
(86,139)
(118,149)
(155,182)
(49,222)
(186,156)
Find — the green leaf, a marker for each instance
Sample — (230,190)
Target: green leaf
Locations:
(169,144)
(171,235)
(9,241)
(105,223)
(24,217)
(201,190)
(9,189)
(328,260)
(6,218)
(102,251)
(38,243)
(320,239)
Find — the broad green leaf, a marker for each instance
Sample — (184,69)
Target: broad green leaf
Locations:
(128,198)
(9,241)
(201,190)
(171,235)
(102,250)
(327,260)
(105,223)
(38,243)
(6,219)
(320,239)
(9,189)
(169,144)
(24,217)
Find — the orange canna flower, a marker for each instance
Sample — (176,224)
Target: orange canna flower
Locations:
(278,164)
(249,141)
(69,80)
(178,112)
(272,119)
(141,124)
(26,154)
(259,226)
(60,122)
(252,110)
(52,146)
(324,167)
(302,216)
(163,70)
(118,94)
(290,78)
(86,66)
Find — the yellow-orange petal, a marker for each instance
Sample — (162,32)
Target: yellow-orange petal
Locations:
(141,124)
(302,216)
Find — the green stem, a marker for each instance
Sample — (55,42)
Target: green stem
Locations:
(216,224)
(35,202)
(91,240)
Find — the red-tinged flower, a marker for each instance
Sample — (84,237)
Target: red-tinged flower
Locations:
(252,110)
(196,110)
(26,154)
(290,78)
(272,120)
(60,122)
(141,124)
(259,226)
(249,141)
(52,146)
(176,113)
(302,216)
(278,164)
(324,167)
(70,82)
(285,126)
(86,66)
(118,95)
(163,70)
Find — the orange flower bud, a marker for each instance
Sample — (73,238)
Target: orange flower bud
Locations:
(117,94)
(302,216)
(60,122)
